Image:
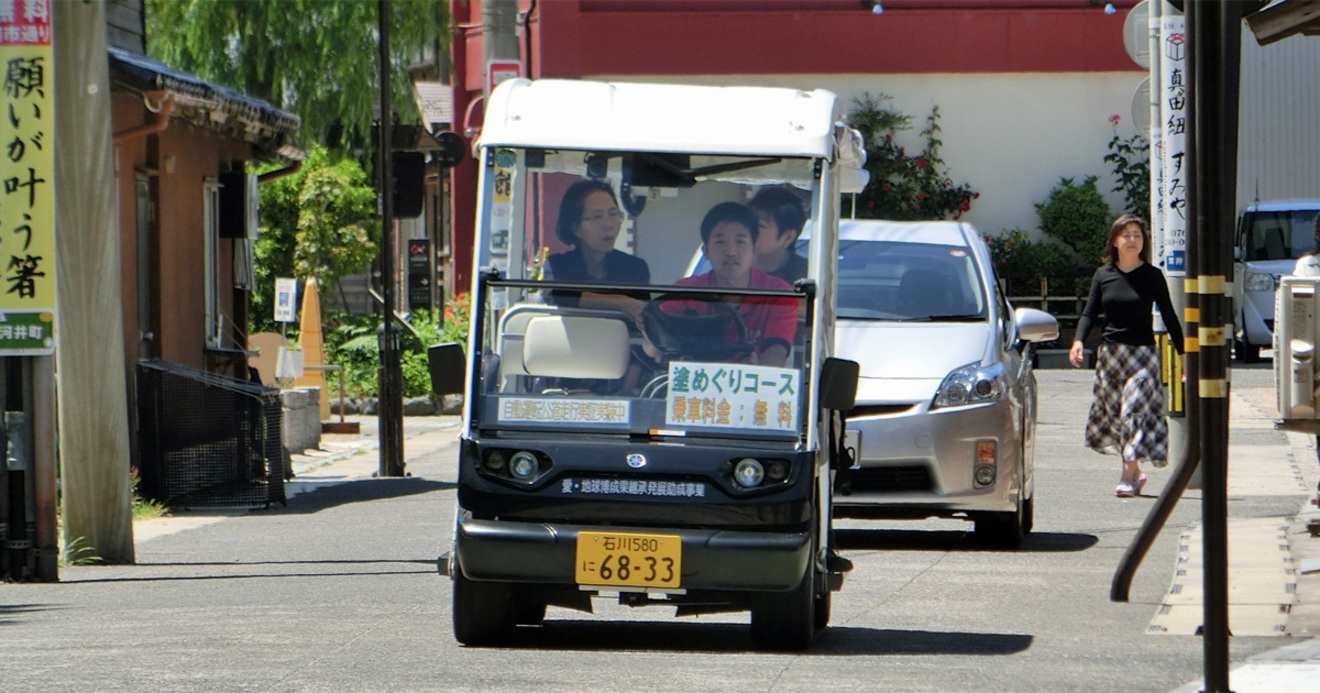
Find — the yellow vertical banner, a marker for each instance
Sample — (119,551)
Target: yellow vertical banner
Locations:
(27,177)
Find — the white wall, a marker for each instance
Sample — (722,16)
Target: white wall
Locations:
(1010,136)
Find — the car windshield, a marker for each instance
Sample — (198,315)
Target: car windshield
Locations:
(591,321)
(885,280)
(1281,235)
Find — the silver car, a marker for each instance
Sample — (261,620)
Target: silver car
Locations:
(945,419)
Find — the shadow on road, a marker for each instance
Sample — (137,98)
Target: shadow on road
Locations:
(336,493)
(186,572)
(952,540)
(10,612)
(688,637)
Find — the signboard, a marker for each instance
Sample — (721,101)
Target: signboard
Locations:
(500,70)
(419,274)
(732,395)
(1175,165)
(286,297)
(27,198)
(562,410)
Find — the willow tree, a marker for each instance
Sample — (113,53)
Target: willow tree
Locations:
(315,58)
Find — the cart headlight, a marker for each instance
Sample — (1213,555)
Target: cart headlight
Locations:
(971,384)
(524,466)
(748,473)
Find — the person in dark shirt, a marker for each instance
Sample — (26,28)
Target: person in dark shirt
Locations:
(590,221)
(1127,414)
(780,220)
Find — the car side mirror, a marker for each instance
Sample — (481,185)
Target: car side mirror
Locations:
(1035,325)
(838,383)
(448,367)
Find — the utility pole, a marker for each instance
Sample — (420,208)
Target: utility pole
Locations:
(499,35)
(390,374)
(89,350)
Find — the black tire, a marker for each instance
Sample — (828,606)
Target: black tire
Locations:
(1029,515)
(785,621)
(1003,530)
(483,611)
(822,609)
(528,612)
(1246,353)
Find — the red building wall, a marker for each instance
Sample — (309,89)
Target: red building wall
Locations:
(588,38)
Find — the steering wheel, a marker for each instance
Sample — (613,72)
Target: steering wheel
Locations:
(680,330)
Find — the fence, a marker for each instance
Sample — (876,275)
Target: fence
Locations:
(208,440)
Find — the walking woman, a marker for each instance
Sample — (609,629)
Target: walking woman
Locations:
(1127,415)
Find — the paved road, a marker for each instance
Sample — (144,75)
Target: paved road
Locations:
(338,592)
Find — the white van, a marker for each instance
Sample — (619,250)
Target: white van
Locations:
(1271,235)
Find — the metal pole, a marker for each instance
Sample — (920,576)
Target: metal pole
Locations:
(391,395)
(1214,40)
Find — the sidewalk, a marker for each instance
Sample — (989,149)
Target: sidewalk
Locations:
(1274,563)
(342,457)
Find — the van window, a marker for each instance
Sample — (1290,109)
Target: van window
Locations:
(1281,235)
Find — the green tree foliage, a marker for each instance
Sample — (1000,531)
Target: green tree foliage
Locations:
(315,58)
(904,186)
(1078,217)
(318,223)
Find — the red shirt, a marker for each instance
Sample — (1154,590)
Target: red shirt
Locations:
(770,320)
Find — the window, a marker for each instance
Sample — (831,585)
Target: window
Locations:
(211,261)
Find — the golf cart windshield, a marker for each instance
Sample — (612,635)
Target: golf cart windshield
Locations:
(588,322)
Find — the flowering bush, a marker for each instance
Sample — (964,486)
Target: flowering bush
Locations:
(1130,158)
(1021,264)
(904,186)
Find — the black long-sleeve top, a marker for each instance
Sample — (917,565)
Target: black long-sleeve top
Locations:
(1124,299)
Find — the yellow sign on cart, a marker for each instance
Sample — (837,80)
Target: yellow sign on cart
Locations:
(27,180)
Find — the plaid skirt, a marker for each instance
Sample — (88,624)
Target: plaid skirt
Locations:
(1127,414)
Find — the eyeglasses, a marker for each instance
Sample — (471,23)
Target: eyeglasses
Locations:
(613,216)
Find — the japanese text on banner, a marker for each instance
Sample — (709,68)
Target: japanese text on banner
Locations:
(27,201)
(732,395)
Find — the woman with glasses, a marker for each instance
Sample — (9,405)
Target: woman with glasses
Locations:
(1127,415)
(590,221)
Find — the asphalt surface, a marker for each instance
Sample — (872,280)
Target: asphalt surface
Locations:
(338,591)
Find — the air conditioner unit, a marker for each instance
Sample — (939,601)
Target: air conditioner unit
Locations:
(1296,333)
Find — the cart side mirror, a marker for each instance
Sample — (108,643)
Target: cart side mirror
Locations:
(838,383)
(448,368)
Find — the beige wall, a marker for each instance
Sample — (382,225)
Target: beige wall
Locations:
(1010,136)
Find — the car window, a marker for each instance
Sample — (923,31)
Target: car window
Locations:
(885,280)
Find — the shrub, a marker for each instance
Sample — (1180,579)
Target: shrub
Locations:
(351,341)
(1078,217)
(903,186)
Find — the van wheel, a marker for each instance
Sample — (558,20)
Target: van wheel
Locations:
(483,611)
(785,621)
(1246,353)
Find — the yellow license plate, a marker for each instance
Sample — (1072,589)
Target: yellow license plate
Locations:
(629,560)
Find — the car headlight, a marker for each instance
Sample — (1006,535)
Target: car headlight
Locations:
(1260,282)
(971,384)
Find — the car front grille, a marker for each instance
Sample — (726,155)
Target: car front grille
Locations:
(915,477)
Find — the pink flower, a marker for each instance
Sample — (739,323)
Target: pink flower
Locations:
(921,196)
(1113,119)
(885,187)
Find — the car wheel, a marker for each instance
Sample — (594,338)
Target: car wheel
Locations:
(785,621)
(483,611)
(1029,515)
(528,612)
(1003,530)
